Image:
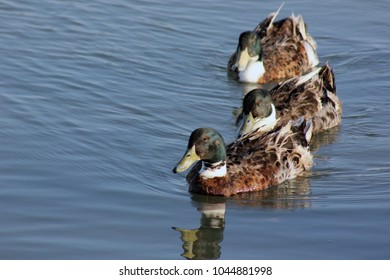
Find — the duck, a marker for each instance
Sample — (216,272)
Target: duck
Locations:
(273,51)
(312,96)
(251,163)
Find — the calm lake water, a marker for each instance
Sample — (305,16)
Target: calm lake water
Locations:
(97,101)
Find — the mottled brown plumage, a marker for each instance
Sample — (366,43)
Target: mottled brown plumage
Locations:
(312,96)
(257,161)
(284,50)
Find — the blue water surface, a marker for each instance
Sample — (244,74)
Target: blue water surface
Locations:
(98,98)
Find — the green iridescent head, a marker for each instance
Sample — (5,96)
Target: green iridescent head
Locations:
(248,49)
(258,112)
(205,144)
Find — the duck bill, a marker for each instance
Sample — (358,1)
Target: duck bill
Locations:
(242,59)
(247,125)
(189,158)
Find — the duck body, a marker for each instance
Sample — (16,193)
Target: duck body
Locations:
(312,96)
(273,51)
(251,163)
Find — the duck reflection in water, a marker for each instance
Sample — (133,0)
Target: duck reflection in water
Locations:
(204,243)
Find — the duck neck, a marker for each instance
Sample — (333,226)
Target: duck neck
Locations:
(253,72)
(212,170)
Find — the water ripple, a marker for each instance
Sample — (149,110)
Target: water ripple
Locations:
(98,100)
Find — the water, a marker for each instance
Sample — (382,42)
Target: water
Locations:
(98,99)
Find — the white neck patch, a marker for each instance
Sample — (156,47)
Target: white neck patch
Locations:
(267,123)
(253,72)
(216,170)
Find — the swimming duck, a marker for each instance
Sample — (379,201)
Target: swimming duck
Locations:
(251,163)
(312,96)
(273,51)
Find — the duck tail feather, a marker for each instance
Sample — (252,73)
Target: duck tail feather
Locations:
(274,15)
